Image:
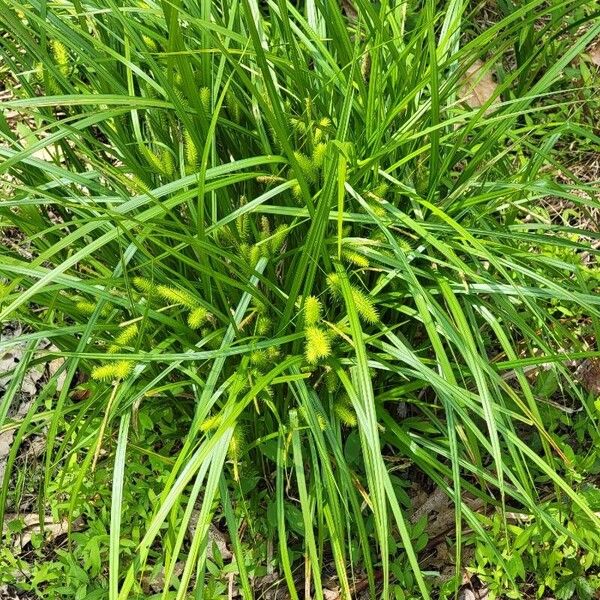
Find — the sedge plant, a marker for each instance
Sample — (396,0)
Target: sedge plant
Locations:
(283,221)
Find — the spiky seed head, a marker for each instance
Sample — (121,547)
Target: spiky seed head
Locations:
(254,255)
(233,107)
(167,162)
(85,306)
(150,43)
(324,123)
(298,125)
(61,55)
(263,325)
(177,296)
(205,98)
(210,423)
(317,344)
(123,368)
(364,306)
(334,284)
(322,421)
(103,373)
(332,382)
(319,155)
(155,161)
(404,244)
(127,335)
(265,227)
(272,354)
(355,258)
(191,152)
(259,358)
(306,166)
(144,285)
(345,413)
(269,179)
(381,190)
(278,239)
(237,445)
(112,371)
(312,310)
(198,317)
(123,339)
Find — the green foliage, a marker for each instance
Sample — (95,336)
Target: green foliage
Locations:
(279,253)
(563,565)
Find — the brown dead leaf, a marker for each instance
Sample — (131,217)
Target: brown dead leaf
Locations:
(31,526)
(214,537)
(54,366)
(478,86)
(331,594)
(588,374)
(593,52)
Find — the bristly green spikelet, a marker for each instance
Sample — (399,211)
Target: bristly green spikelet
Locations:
(355,258)
(298,124)
(181,96)
(150,43)
(233,107)
(205,98)
(322,128)
(404,244)
(333,283)
(364,306)
(238,443)
(254,255)
(113,371)
(273,354)
(278,239)
(161,163)
(168,162)
(258,358)
(242,223)
(306,166)
(317,346)
(264,358)
(61,56)
(312,311)
(244,251)
(127,335)
(210,423)
(123,339)
(145,286)
(332,381)
(345,412)
(265,227)
(319,155)
(380,191)
(176,296)
(269,179)
(263,325)
(191,152)
(237,447)
(85,306)
(198,317)
(322,421)
(88,308)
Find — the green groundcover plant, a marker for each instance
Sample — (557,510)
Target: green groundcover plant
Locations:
(278,254)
